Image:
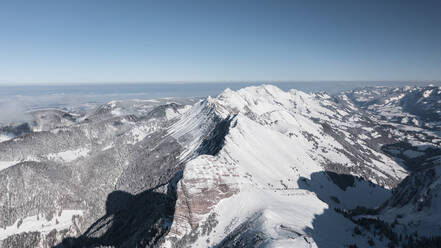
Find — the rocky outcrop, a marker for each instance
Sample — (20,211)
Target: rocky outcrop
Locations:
(204,184)
(257,166)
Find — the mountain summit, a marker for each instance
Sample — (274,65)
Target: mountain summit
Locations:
(257,167)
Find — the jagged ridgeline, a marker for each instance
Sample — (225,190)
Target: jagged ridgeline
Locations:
(257,167)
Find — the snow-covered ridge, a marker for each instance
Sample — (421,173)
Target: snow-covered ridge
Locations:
(259,166)
(87,155)
(6,164)
(276,140)
(4,137)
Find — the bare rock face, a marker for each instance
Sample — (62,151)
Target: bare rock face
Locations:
(253,167)
(204,184)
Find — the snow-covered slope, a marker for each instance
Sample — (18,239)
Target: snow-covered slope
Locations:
(75,166)
(414,107)
(257,167)
(275,142)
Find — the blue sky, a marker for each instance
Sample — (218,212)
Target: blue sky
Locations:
(213,41)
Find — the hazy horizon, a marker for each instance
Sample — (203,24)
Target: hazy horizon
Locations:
(15,101)
(367,82)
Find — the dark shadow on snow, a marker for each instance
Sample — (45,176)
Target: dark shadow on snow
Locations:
(130,221)
(141,220)
(335,189)
(214,142)
(328,228)
(412,158)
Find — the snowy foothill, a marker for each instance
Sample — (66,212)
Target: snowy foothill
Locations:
(69,155)
(61,220)
(258,166)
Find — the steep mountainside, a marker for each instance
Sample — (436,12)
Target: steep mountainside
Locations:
(253,167)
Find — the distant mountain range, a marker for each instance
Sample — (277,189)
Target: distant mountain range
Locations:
(256,167)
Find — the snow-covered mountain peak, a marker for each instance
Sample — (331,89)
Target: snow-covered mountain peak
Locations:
(265,99)
(253,95)
(268,144)
(255,167)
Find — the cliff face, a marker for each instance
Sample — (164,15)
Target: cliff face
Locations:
(257,166)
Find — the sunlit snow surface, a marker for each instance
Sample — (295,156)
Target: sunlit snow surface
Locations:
(265,157)
(267,176)
(68,156)
(4,137)
(39,223)
(6,164)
